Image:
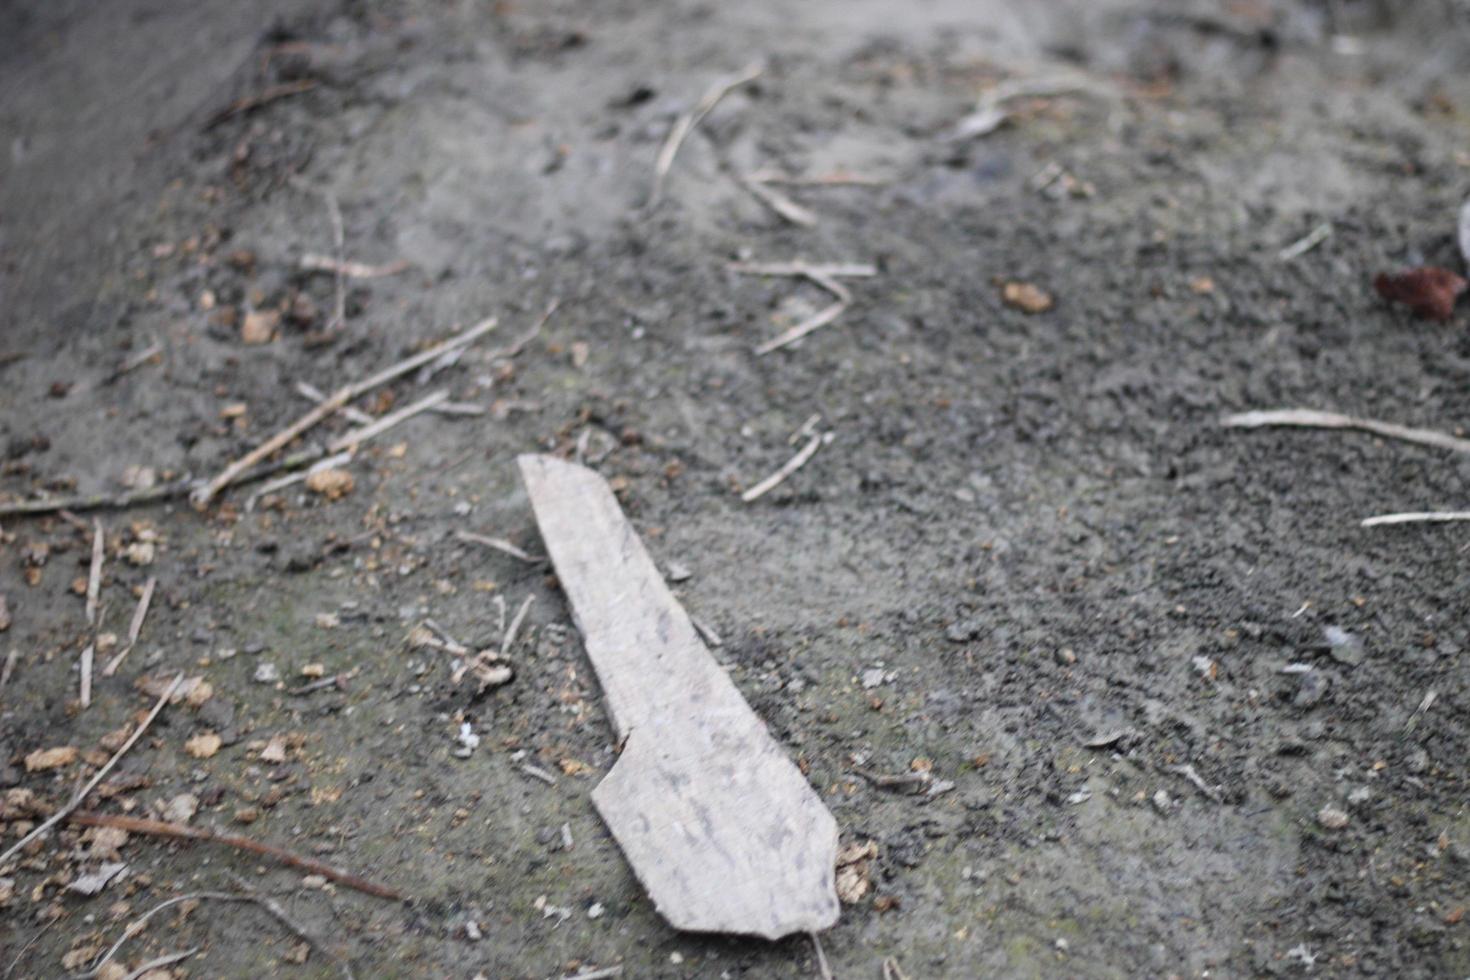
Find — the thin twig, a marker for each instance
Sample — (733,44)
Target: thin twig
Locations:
(84,695)
(343,395)
(823,970)
(27,947)
(780,203)
(339,242)
(892,971)
(9,668)
(1310,419)
(159,961)
(816,321)
(352,270)
(134,628)
(252,102)
(837,178)
(603,974)
(65,812)
(791,466)
(1417,517)
(153,495)
(133,363)
(537,772)
(499,544)
(163,828)
(1307,242)
(94,575)
(1190,773)
(686,122)
(291,479)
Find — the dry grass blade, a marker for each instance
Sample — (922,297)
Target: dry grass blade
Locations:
(134,628)
(816,321)
(499,544)
(350,440)
(780,204)
(1309,419)
(685,124)
(791,466)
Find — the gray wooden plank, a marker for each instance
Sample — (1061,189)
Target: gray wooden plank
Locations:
(721,828)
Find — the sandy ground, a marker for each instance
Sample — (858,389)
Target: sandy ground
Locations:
(1028,536)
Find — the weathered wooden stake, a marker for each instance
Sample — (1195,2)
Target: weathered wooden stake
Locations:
(718,824)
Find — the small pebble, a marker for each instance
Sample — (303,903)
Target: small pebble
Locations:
(1332,818)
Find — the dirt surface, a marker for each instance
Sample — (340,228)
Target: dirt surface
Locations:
(1029,532)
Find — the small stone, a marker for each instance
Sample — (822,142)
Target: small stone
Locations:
(1418,761)
(678,572)
(1310,689)
(472,930)
(1162,803)
(247,814)
(259,326)
(874,677)
(1360,795)
(314,881)
(181,808)
(1344,647)
(333,484)
(1332,818)
(1066,657)
(140,553)
(203,745)
(44,759)
(595,910)
(963,631)
(266,673)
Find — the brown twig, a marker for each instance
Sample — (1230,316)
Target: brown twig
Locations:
(250,103)
(66,812)
(789,467)
(163,828)
(342,396)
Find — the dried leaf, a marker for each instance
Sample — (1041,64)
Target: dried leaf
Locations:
(203,746)
(1429,291)
(43,759)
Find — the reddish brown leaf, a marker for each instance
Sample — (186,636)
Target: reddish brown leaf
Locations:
(1429,291)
